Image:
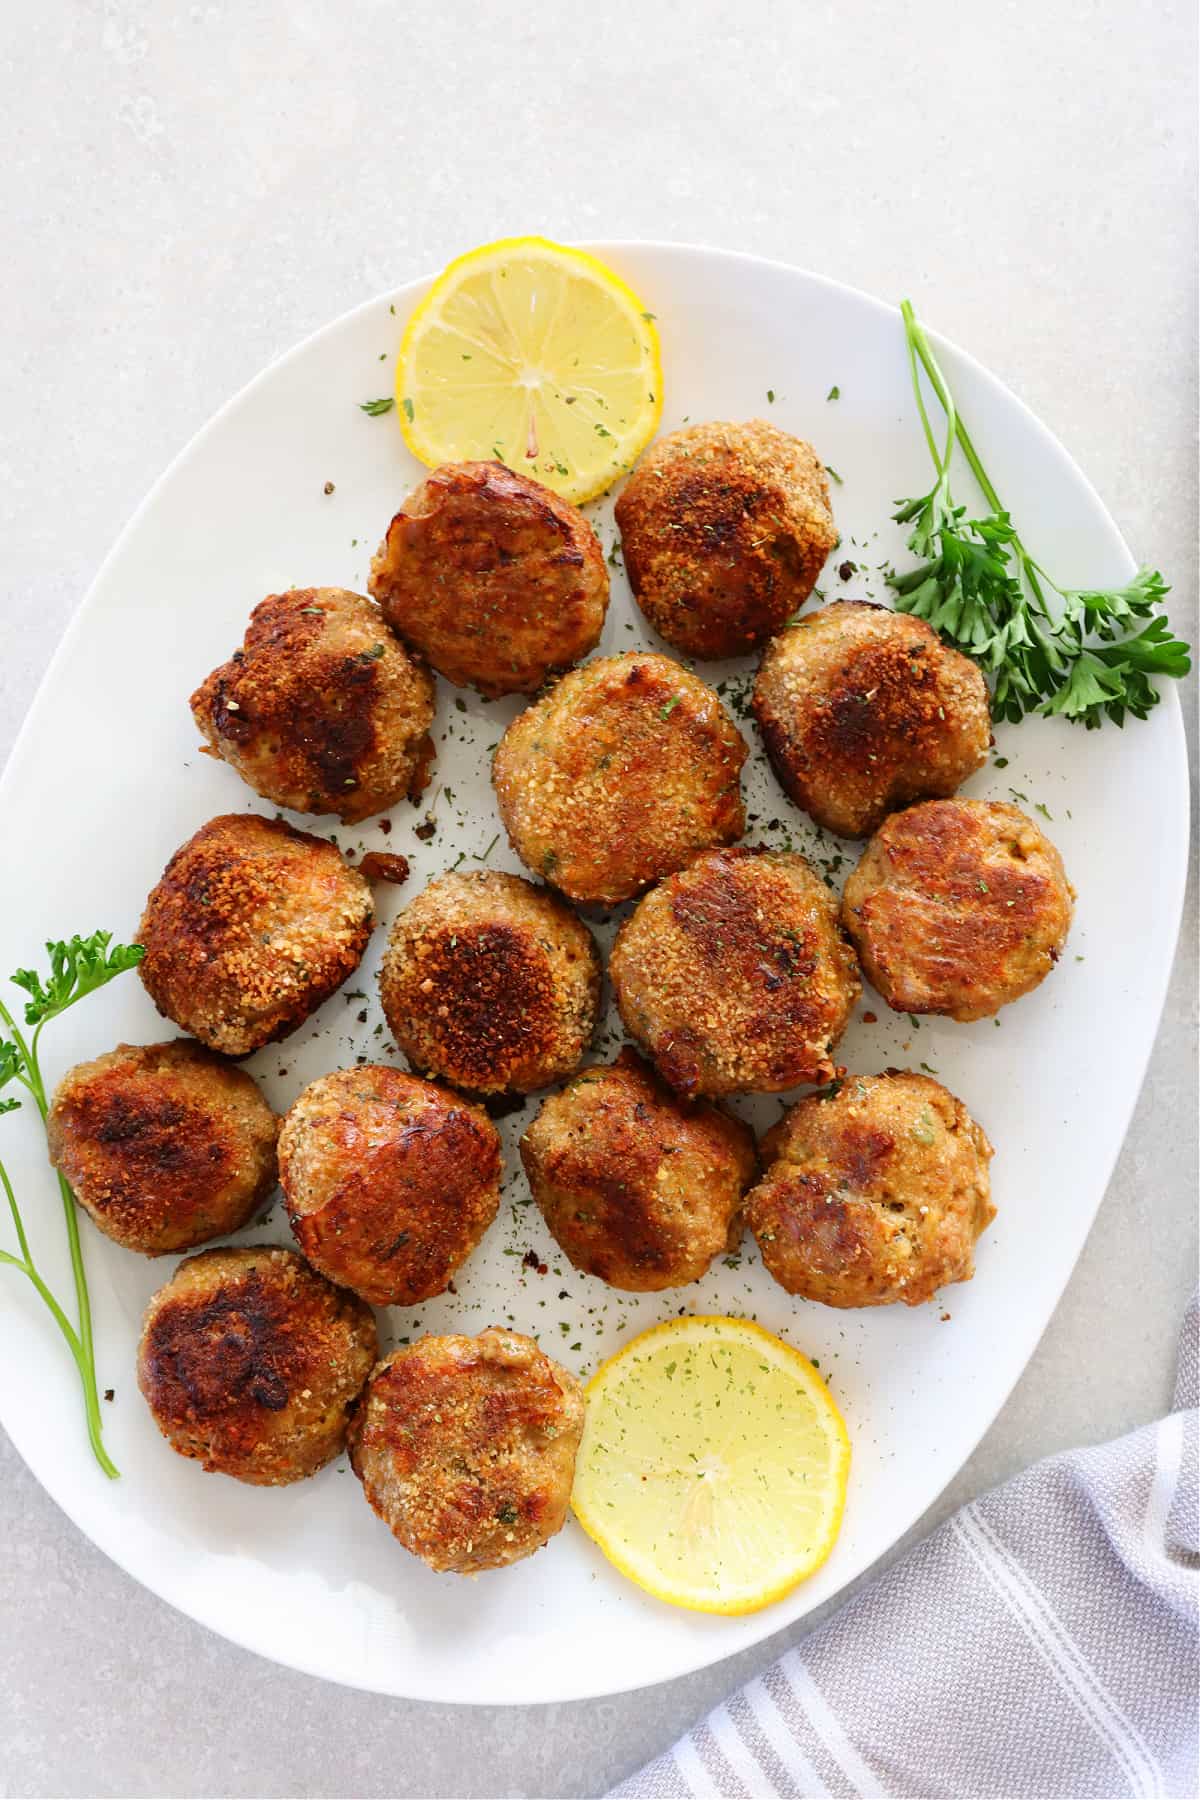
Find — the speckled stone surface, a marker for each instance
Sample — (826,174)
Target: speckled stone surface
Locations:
(188,189)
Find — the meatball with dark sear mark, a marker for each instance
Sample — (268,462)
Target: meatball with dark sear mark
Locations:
(958,907)
(623,772)
(490,983)
(735,976)
(251,1363)
(493,579)
(322,710)
(724,531)
(466,1448)
(874,1193)
(863,710)
(636,1187)
(251,927)
(390,1182)
(165,1145)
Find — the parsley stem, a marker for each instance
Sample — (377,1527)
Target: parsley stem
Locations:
(81,1342)
(918,341)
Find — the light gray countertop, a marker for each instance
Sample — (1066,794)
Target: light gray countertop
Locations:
(191,188)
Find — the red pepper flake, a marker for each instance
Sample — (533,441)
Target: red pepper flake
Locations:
(870,1018)
(380,865)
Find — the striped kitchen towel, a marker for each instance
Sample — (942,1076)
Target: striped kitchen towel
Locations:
(1043,1642)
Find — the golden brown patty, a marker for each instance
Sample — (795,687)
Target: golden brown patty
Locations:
(735,975)
(637,1188)
(490,983)
(252,925)
(623,772)
(863,709)
(466,1448)
(494,579)
(165,1145)
(321,710)
(390,1182)
(724,529)
(958,907)
(874,1194)
(250,1362)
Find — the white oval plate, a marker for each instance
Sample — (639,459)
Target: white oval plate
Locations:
(106,782)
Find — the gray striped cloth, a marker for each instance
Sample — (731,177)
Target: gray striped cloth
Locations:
(1043,1642)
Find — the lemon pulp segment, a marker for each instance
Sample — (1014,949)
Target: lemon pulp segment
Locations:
(713,1464)
(535,355)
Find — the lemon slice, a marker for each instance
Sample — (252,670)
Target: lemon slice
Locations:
(535,355)
(713,1464)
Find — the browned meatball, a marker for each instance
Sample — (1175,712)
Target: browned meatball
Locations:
(735,975)
(874,1193)
(165,1145)
(494,579)
(390,1182)
(724,529)
(863,709)
(322,709)
(251,1362)
(623,772)
(637,1188)
(252,925)
(466,1448)
(958,907)
(491,983)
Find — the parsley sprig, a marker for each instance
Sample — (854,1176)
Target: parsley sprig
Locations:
(1091,653)
(78,967)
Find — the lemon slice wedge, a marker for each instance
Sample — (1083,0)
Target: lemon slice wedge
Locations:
(713,1465)
(535,355)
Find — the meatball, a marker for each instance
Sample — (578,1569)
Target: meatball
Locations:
(251,927)
(623,772)
(735,975)
(164,1145)
(390,1182)
(490,983)
(492,578)
(466,1448)
(724,530)
(322,710)
(251,1363)
(637,1188)
(958,907)
(874,1193)
(862,710)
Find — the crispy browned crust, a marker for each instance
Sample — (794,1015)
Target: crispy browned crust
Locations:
(466,1448)
(492,578)
(251,927)
(165,1145)
(874,1194)
(636,1188)
(491,983)
(735,976)
(863,709)
(322,710)
(958,907)
(390,1182)
(251,1362)
(623,772)
(724,529)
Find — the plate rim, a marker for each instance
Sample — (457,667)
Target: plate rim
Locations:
(1157,971)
